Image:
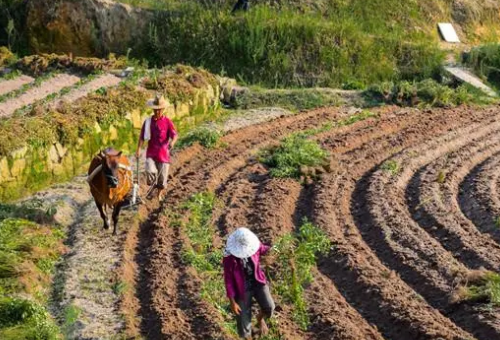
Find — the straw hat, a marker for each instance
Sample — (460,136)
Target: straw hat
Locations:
(158,102)
(242,243)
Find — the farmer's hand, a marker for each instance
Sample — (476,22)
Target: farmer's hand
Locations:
(137,153)
(235,307)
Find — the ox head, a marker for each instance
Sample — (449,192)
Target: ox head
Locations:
(110,166)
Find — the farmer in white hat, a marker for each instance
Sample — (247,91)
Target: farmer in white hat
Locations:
(245,280)
(159,131)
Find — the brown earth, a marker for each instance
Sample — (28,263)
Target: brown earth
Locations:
(403,238)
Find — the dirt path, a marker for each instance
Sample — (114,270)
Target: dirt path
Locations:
(85,279)
(10,85)
(51,85)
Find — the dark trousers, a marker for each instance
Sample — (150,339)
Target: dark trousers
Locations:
(241,4)
(263,297)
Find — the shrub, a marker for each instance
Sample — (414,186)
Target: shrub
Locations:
(24,319)
(294,152)
(6,56)
(426,92)
(206,136)
(43,63)
(485,60)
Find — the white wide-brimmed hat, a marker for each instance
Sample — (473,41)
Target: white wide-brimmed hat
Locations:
(242,243)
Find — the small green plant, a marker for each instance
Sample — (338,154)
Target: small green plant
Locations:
(206,136)
(293,152)
(486,288)
(119,287)
(296,255)
(71,315)
(390,166)
(441,177)
(356,118)
(497,222)
(200,253)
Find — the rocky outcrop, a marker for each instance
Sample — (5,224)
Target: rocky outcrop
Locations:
(85,27)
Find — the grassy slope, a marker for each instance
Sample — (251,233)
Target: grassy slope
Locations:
(349,43)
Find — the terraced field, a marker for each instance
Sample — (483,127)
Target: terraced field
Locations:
(410,206)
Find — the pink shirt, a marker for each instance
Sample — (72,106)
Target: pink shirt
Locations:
(234,277)
(162,131)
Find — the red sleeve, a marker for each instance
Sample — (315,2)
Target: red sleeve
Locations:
(172,131)
(227,264)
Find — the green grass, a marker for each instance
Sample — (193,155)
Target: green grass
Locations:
(11,75)
(390,166)
(486,289)
(71,315)
(200,253)
(427,92)
(206,136)
(485,60)
(25,319)
(292,99)
(351,45)
(34,210)
(296,256)
(294,152)
(28,253)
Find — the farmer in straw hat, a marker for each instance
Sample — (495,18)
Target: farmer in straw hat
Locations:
(245,280)
(159,131)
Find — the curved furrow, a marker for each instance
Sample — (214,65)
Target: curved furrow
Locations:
(432,201)
(361,277)
(166,300)
(268,206)
(479,197)
(389,228)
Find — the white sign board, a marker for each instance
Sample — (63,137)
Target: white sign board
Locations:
(448,33)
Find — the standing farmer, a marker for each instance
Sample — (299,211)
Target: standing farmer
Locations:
(245,280)
(159,132)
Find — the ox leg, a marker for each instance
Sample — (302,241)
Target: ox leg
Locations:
(116,213)
(103,214)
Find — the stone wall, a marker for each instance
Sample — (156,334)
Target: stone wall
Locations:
(31,168)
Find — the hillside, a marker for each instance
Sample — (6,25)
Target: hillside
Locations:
(336,43)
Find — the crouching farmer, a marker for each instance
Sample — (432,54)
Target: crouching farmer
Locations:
(245,280)
(159,132)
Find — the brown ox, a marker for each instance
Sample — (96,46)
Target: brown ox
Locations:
(110,180)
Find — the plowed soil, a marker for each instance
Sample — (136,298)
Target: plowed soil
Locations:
(404,236)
